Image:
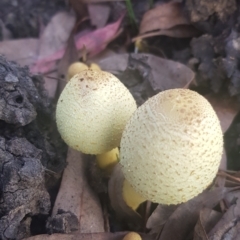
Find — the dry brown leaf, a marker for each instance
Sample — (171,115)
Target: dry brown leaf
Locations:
(91,236)
(164,16)
(99,14)
(210,218)
(22,51)
(102,55)
(230,176)
(180,31)
(220,181)
(166,74)
(53,38)
(51,83)
(100,1)
(206,221)
(70,56)
(80,8)
(231,197)
(76,196)
(115,64)
(199,230)
(123,211)
(56,81)
(159,217)
(56,34)
(225,107)
(162,74)
(228,225)
(230,183)
(5,32)
(183,220)
(166,19)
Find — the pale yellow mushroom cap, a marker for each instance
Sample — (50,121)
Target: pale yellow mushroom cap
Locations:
(172,146)
(92,111)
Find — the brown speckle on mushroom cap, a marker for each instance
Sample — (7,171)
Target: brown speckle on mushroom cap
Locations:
(92,111)
(171,147)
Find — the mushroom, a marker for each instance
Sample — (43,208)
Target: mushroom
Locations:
(75,68)
(107,160)
(91,114)
(170,149)
(95,66)
(93,110)
(132,236)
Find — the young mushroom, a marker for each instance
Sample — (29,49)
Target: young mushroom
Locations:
(132,236)
(170,149)
(92,111)
(75,68)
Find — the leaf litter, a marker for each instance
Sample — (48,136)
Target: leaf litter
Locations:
(76,198)
(84,236)
(163,16)
(166,19)
(99,14)
(206,221)
(182,221)
(196,219)
(226,109)
(228,226)
(94,42)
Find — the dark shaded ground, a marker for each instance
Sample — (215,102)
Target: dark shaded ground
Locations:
(32,155)
(23,18)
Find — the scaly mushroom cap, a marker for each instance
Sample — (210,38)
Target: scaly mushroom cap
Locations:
(172,146)
(92,111)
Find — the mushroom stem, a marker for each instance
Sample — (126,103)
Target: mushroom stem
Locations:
(131,197)
(106,161)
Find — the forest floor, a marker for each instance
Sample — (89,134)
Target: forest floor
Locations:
(50,191)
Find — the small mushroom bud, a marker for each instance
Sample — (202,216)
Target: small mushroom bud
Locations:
(132,236)
(94,66)
(75,68)
(171,148)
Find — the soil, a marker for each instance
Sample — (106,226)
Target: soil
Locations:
(32,155)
